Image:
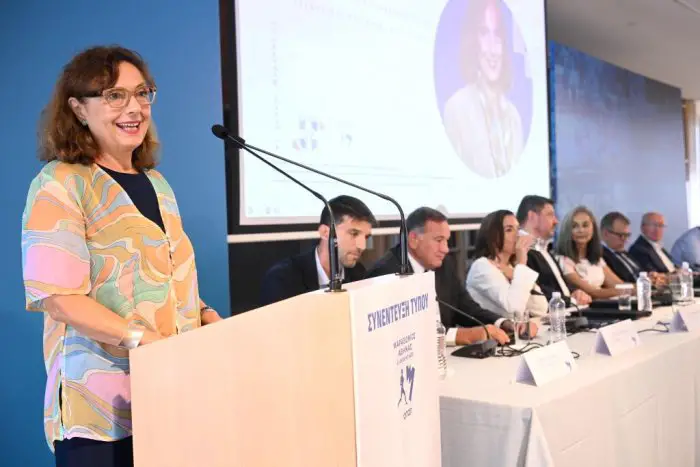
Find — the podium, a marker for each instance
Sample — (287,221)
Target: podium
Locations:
(322,379)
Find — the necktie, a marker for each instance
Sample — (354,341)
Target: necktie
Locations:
(628,262)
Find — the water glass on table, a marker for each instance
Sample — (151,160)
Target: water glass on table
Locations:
(675,283)
(521,320)
(624,298)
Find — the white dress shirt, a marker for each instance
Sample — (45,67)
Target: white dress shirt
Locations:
(491,289)
(323,279)
(415,265)
(451,336)
(553,266)
(659,249)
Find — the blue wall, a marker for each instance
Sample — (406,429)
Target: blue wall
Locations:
(181,44)
(618,141)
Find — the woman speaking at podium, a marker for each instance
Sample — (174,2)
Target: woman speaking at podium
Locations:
(104,253)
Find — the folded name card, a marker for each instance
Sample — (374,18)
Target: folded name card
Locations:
(617,338)
(686,319)
(540,366)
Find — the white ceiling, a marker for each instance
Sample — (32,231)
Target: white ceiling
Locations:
(656,38)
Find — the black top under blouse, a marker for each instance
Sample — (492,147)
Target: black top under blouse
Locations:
(142,194)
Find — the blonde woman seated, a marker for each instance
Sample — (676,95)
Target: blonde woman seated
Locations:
(499,278)
(581,255)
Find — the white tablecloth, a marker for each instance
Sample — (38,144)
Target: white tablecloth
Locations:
(638,409)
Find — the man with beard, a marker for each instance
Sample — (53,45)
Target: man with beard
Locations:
(311,270)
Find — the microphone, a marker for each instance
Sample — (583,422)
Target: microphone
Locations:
(481,349)
(221,132)
(573,323)
(336,283)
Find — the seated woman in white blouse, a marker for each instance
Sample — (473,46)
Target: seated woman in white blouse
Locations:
(581,255)
(499,278)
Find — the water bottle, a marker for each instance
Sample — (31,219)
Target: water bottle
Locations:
(441,349)
(643,292)
(691,286)
(686,277)
(557,318)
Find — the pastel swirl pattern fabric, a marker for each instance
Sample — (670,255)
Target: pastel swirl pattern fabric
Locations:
(83,235)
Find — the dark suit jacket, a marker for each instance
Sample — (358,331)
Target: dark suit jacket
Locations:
(645,255)
(297,275)
(612,259)
(449,288)
(546,280)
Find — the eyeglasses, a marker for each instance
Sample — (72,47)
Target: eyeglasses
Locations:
(657,225)
(120,97)
(621,235)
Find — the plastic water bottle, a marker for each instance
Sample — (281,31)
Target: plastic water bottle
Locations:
(691,286)
(441,349)
(557,318)
(643,292)
(687,283)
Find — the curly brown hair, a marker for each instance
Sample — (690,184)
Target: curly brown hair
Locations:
(61,135)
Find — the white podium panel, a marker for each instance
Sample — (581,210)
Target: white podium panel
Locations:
(397,408)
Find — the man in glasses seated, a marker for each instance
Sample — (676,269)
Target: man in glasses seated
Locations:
(615,231)
(648,249)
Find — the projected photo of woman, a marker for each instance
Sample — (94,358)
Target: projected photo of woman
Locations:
(482,123)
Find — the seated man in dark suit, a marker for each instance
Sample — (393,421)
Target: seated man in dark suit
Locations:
(615,231)
(647,250)
(311,270)
(537,218)
(428,233)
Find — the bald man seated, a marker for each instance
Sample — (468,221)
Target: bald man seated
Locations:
(648,249)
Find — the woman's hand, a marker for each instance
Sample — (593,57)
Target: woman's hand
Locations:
(208,314)
(522,246)
(149,337)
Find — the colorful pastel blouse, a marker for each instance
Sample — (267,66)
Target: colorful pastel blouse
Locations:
(83,235)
